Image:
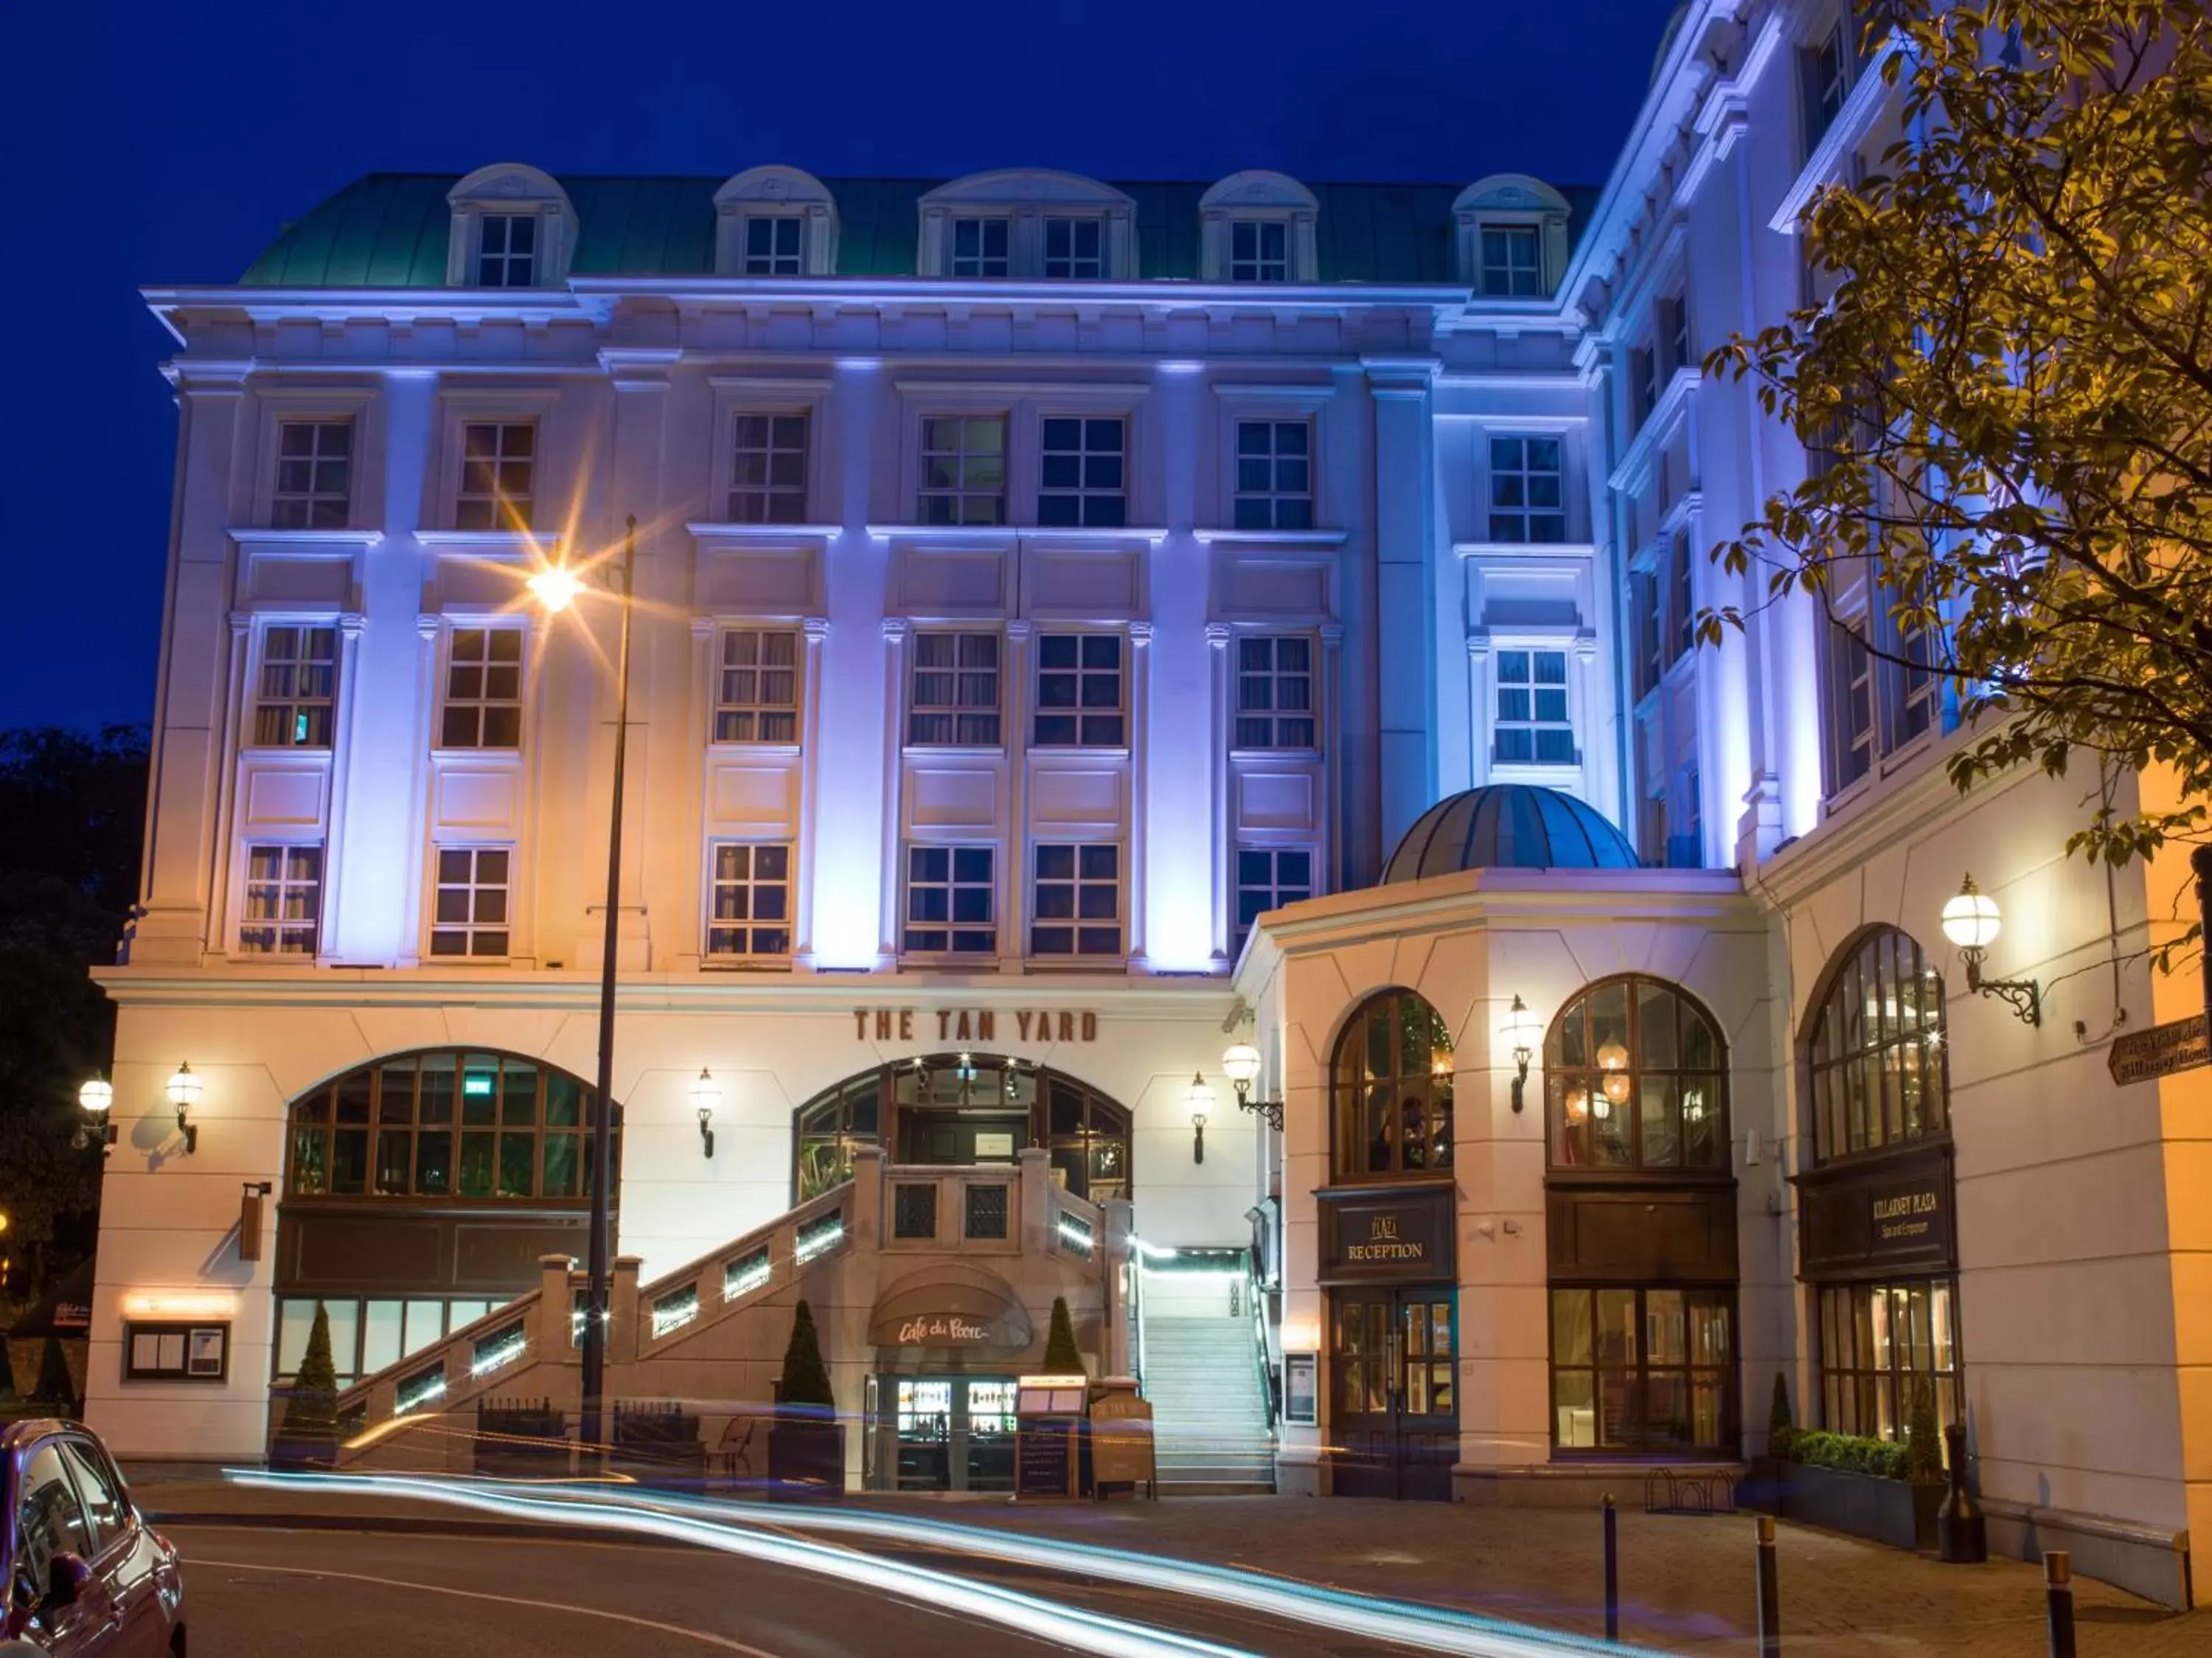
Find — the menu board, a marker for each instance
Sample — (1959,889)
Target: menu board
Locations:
(1044,1457)
(1121,1441)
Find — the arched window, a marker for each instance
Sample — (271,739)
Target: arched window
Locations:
(446,1124)
(1635,1076)
(1394,1089)
(1875,1054)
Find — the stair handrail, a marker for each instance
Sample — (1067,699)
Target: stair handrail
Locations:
(1261,1357)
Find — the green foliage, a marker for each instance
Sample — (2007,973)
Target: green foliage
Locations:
(1062,1358)
(55,1389)
(309,1430)
(1849,1453)
(2007,392)
(805,1382)
(1923,1438)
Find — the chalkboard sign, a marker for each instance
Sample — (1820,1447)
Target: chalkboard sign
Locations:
(1044,1457)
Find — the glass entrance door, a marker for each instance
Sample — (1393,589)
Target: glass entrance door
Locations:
(955,1433)
(1394,1361)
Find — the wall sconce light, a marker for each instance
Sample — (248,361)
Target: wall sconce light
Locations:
(184,1092)
(1971,921)
(1199,1098)
(705,1094)
(94,1099)
(1240,1063)
(1523,1030)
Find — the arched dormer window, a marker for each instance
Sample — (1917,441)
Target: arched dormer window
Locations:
(1875,1055)
(1028,224)
(1636,1076)
(1512,236)
(1258,227)
(776,222)
(1391,1086)
(513,227)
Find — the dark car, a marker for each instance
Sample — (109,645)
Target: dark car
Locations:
(87,1576)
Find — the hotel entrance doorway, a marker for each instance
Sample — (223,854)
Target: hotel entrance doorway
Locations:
(1395,1356)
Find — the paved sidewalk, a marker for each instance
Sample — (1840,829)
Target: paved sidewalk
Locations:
(1685,1581)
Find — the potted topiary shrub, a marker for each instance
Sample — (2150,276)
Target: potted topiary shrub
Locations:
(307,1436)
(1924,1464)
(805,1443)
(1062,1358)
(1762,1486)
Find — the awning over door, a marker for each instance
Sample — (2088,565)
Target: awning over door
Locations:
(952,1307)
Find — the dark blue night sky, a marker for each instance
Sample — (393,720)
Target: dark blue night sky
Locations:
(143,144)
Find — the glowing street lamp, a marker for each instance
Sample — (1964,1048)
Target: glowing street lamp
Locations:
(1971,921)
(95,1098)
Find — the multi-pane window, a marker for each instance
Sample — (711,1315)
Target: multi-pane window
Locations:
(1079,691)
(1394,1080)
(298,689)
(1850,672)
(952,901)
(1685,595)
(1512,261)
(956,690)
(1645,598)
(979,247)
(1274,692)
(749,915)
(499,475)
(1274,475)
(1527,491)
(284,900)
(444,1124)
(367,1333)
(315,475)
(470,914)
(1075,248)
(506,251)
(756,686)
(1635,1076)
(1877,1057)
(768,471)
(1259,250)
(1085,477)
(963,469)
(772,245)
(1642,384)
(1643,1369)
(986,1209)
(1533,726)
(1267,878)
(1674,314)
(1076,904)
(483,689)
(1825,70)
(1880,1344)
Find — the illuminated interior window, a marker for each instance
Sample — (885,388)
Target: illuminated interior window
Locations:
(1636,1077)
(299,687)
(749,915)
(757,687)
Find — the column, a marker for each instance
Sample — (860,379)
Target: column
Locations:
(1408,624)
(894,635)
(1218,715)
(809,772)
(1014,840)
(1140,665)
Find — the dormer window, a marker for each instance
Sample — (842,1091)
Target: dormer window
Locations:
(506,251)
(980,247)
(1258,227)
(775,222)
(1512,236)
(513,227)
(772,245)
(1259,250)
(1512,260)
(1075,249)
(1027,224)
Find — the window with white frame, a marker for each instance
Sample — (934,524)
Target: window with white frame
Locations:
(1684,596)
(1076,900)
(756,686)
(1883,689)
(952,901)
(483,689)
(772,245)
(1075,249)
(1528,498)
(315,475)
(1675,319)
(1084,475)
(1080,692)
(963,469)
(469,915)
(1851,706)
(1646,598)
(1274,475)
(768,470)
(1267,878)
(1825,72)
(954,695)
(749,906)
(1642,385)
(1259,250)
(499,475)
(296,701)
(979,246)
(1274,692)
(1512,261)
(1533,727)
(507,250)
(284,900)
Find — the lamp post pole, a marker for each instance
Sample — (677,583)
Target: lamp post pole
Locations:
(602,1241)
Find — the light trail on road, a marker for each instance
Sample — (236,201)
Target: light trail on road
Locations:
(1433,1629)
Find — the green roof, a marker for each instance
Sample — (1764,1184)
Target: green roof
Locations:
(390,230)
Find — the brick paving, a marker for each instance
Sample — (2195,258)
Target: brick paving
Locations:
(1685,1580)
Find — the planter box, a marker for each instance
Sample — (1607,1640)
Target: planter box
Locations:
(1882,1510)
(806,1453)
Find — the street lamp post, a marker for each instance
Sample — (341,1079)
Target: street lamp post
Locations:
(555,589)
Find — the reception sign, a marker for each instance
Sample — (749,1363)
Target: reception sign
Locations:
(1896,1216)
(1401,1235)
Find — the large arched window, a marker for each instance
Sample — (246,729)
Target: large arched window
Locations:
(1875,1052)
(1635,1076)
(446,1123)
(1393,1090)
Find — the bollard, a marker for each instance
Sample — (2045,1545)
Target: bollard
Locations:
(2059,1601)
(1768,1583)
(1612,1570)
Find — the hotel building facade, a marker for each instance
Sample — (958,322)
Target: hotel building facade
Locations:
(1079,628)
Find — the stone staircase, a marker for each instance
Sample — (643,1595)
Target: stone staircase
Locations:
(1209,1416)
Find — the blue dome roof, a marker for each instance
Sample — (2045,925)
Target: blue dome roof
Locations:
(1508,826)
